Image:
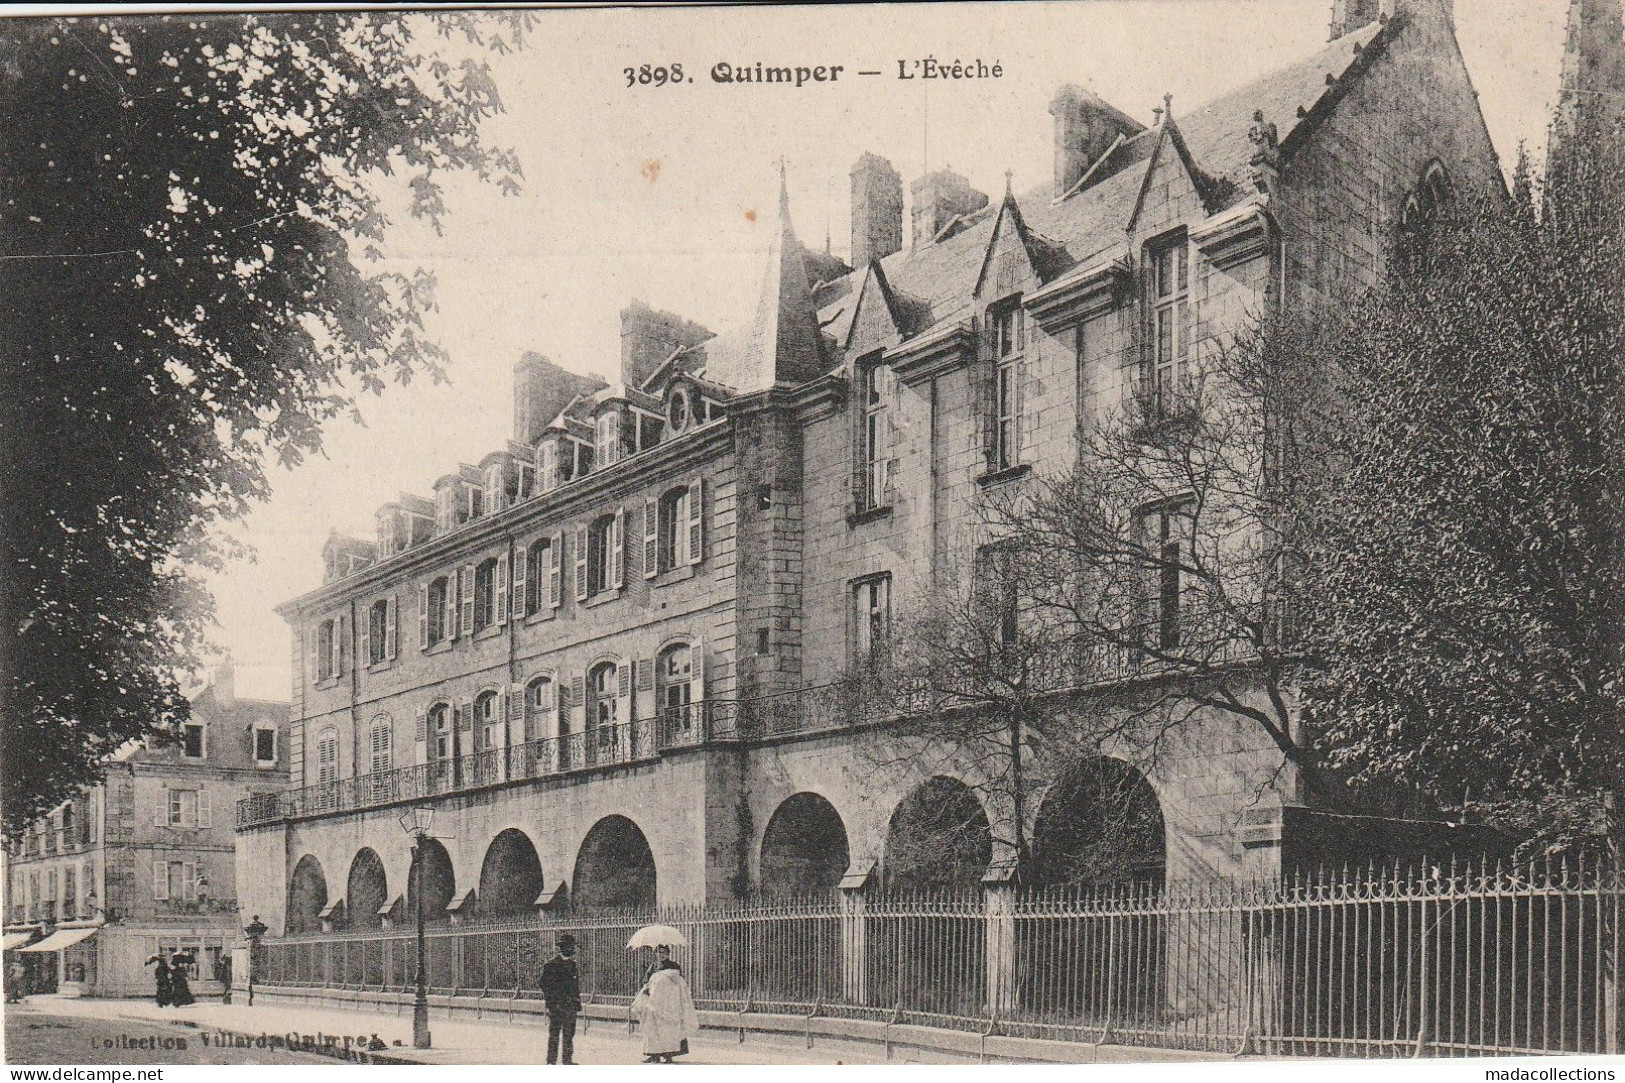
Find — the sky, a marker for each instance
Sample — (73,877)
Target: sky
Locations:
(667,194)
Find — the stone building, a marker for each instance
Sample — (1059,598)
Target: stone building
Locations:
(596,651)
(143,862)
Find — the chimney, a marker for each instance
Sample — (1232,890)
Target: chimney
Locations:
(877,210)
(540,390)
(1349,15)
(1086,126)
(649,337)
(224,683)
(939,198)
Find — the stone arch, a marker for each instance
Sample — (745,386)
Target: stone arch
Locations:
(307,896)
(804,849)
(439,884)
(615,869)
(939,836)
(1099,825)
(366,890)
(510,876)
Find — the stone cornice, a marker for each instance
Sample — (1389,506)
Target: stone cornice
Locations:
(1082,293)
(1235,236)
(930,353)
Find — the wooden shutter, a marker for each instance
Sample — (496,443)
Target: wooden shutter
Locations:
(448,606)
(581,562)
(344,651)
(205,815)
(366,636)
(696,521)
(314,652)
(888,462)
(651,537)
(696,680)
(643,674)
(521,572)
(423,616)
(161,817)
(618,551)
(421,735)
(623,693)
(465,599)
(188,879)
(555,570)
(499,592)
(578,700)
(515,712)
(392,615)
(160,880)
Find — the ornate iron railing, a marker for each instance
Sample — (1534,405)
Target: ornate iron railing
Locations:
(1386,964)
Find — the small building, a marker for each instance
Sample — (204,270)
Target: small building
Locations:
(143,862)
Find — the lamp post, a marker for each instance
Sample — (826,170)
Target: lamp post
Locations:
(253,930)
(415,822)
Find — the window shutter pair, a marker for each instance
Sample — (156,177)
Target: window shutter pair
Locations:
(696,521)
(521,572)
(555,570)
(651,537)
(581,562)
(423,616)
(618,551)
(499,595)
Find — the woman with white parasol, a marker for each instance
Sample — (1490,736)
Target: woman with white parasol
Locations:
(663,1006)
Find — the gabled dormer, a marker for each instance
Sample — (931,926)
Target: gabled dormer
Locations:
(343,556)
(1016,259)
(403,523)
(458,498)
(882,317)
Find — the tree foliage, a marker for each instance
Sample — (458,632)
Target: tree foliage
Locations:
(1466,580)
(191,283)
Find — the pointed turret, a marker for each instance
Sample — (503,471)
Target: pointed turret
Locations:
(1591,97)
(786,345)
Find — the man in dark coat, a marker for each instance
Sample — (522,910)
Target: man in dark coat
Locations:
(561,988)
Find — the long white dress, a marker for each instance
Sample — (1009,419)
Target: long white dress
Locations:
(666,1012)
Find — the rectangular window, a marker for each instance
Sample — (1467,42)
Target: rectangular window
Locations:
(1009,341)
(997,596)
(192,740)
(871,612)
(1166,536)
(877,384)
(1170,322)
(183,808)
(265,746)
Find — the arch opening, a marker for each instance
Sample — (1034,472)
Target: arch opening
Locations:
(439,884)
(307,896)
(615,869)
(938,837)
(1100,825)
(804,849)
(366,890)
(510,876)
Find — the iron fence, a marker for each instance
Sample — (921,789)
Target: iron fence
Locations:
(1469,961)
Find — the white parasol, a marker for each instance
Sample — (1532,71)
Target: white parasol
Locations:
(653,936)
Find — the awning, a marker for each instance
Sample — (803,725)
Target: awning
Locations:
(62,938)
(13,939)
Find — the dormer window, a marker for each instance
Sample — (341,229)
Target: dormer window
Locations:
(192,743)
(1169,319)
(392,535)
(445,508)
(264,746)
(496,487)
(679,411)
(473,501)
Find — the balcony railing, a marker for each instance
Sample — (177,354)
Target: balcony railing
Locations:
(763,718)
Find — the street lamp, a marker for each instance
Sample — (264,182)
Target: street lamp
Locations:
(415,822)
(253,930)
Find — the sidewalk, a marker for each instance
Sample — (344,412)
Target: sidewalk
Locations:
(460,1041)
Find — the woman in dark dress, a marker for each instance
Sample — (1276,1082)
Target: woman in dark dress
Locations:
(180,993)
(162,974)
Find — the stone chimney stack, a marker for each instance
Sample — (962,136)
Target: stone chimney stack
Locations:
(1085,128)
(939,198)
(877,210)
(540,390)
(1350,15)
(224,683)
(649,337)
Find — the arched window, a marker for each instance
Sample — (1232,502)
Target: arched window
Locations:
(327,756)
(440,732)
(487,720)
(485,594)
(1432,196)
(381,743)
(602,688)
(538,559)
(539,700)
(674,679)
